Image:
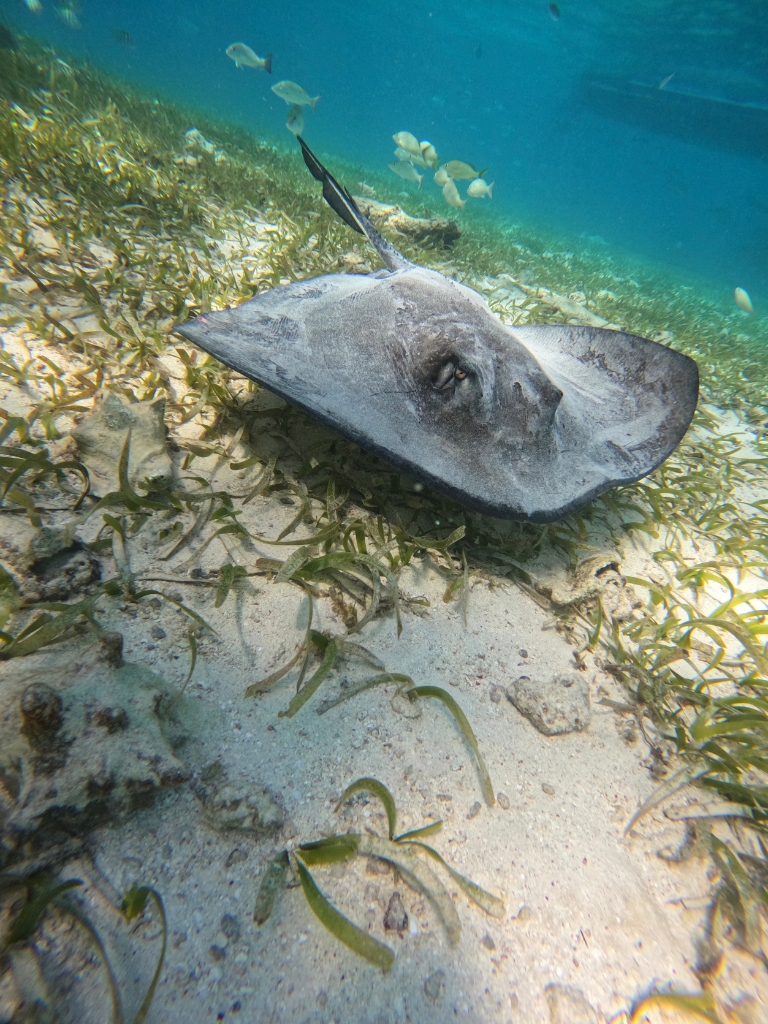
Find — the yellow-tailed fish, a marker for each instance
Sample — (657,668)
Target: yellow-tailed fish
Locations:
(462,172)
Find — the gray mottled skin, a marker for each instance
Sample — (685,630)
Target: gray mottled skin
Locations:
(524,423)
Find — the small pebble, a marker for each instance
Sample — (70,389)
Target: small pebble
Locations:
(230,927)
(112,647)
(218,953)
(549,790)
(496,695)
(503,801)
(475,809)
(158,633)
(322,1000)
(523,653)
(488,942)
(434,986)
(404,706)
(524,914)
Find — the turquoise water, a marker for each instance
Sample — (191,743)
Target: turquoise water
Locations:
(501,86)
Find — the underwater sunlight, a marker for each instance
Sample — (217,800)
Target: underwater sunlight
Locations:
(383,512)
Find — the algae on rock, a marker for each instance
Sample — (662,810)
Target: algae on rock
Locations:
(557,706)
(79,747)
(101,436)
(236,806)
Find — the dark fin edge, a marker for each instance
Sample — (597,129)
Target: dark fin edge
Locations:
(342,204)
(268,63)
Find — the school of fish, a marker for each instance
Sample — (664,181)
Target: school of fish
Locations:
(412,154)
(412,158)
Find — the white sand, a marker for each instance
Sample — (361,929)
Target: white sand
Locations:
(600,913)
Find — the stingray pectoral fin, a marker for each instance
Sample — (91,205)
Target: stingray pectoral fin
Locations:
(342,204)
(627,401)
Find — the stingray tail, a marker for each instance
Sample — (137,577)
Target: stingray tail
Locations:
(342,203)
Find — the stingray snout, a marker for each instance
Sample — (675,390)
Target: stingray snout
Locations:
(526,404)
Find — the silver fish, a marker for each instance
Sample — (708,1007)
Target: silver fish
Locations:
(479,188)
(294,94)
(295,120)
(406,171)
(405,156)
(451,195)
(429,154)
(245,57)
(407,141)
(522,423)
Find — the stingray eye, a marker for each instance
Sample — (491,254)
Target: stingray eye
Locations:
(460,374)
(445,377)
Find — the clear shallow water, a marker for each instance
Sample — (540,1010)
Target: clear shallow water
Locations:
(135,268)
(496,84)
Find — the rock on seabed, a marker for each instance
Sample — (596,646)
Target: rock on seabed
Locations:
(77,753)
(567,1005)
(101,436)
(557,706)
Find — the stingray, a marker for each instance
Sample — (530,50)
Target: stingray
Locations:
(526,423)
